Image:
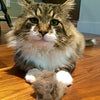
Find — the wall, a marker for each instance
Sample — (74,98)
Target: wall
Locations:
(15,9)
(89,20)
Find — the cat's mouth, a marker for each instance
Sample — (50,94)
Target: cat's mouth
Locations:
(42,43)
(43,40)
(48,37)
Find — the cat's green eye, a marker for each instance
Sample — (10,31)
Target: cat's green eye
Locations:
(54,22)
(34,20)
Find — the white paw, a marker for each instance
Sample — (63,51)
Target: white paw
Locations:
(64,77)
(30,75)
(30,78)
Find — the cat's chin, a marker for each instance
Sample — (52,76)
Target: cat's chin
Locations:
(43,40)
(42,43)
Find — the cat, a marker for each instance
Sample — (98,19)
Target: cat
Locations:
(45,39)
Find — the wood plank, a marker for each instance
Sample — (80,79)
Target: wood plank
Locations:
(86,77)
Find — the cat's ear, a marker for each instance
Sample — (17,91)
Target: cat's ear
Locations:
(68,5)
(26,2)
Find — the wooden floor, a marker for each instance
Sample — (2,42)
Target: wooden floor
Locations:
(86,77)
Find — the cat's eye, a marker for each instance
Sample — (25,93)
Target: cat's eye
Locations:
(34,20)
(54,22)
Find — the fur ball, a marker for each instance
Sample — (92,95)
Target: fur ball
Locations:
(47,87)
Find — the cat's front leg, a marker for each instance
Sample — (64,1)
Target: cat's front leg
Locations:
(64,77)
(63,74)
(30,75)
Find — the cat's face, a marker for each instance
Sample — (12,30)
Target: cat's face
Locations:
(43,24)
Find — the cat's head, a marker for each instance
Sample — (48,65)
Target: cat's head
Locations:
(44,24)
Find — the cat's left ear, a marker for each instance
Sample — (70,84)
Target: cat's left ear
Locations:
(68,5)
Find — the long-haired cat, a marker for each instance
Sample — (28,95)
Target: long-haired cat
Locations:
(45,39)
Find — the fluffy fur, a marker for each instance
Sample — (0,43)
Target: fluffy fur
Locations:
(62,44)
(45,39)
(47,87)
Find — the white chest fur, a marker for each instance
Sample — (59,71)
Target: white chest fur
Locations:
(48,59)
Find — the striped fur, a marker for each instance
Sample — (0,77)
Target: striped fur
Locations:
(61,45)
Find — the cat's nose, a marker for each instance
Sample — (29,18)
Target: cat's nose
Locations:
(43,32)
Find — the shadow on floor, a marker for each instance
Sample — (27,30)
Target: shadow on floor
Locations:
(16,72)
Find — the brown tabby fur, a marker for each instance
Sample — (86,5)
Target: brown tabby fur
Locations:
(68,37)
(61,51)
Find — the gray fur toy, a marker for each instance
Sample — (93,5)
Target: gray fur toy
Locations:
(47,87)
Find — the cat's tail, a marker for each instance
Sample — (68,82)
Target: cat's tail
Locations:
(90,42)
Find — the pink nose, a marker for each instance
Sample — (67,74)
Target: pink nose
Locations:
(43,32)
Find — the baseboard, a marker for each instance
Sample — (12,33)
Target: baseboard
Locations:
(89,27)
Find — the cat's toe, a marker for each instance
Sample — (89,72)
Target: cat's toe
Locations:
(64,77)
(30,78)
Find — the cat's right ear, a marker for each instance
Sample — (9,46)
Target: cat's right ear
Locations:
(68,5)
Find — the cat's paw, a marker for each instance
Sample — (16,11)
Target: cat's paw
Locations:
(30,78)
(64,77)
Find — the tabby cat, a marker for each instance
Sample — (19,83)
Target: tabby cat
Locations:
(45,39)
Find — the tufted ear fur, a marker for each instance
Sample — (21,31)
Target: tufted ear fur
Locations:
(68,5)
